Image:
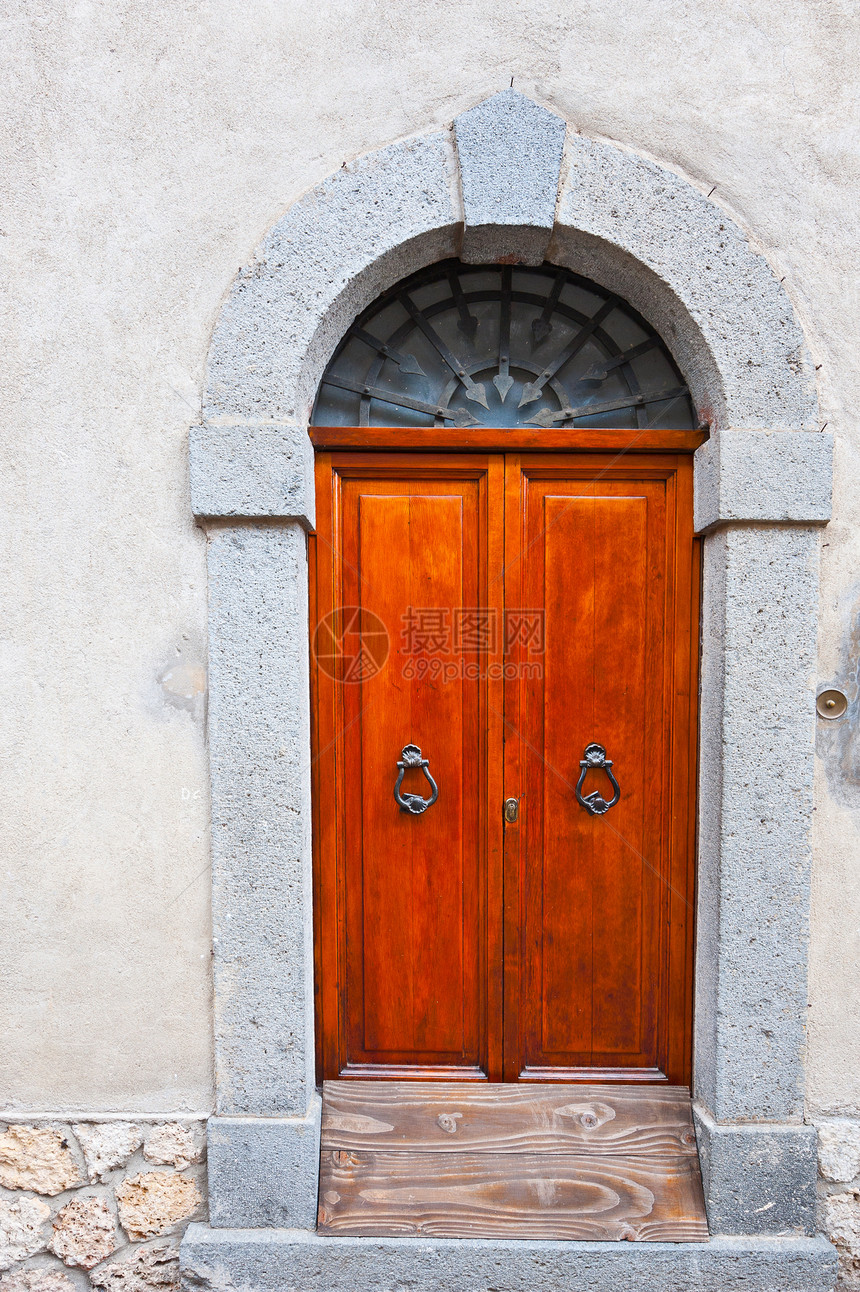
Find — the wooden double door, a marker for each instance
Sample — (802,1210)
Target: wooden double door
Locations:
(512,913)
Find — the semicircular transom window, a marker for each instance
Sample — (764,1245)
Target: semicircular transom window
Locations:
(504,346)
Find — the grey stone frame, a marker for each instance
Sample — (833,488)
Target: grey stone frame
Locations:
(511,180)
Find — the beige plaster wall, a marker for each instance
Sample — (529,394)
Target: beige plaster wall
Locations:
(147,148)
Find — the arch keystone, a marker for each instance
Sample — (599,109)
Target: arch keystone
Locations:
(510,151)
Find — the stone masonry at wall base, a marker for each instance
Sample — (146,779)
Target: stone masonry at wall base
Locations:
(104,1205)
(99,1205)
(839,1194)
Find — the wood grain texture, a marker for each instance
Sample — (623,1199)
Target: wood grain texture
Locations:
(499,1161)
(592,968)
(487,1195)
(501,1118)
(499,1195)
(409,930)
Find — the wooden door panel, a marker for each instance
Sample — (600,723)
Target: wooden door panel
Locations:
(593,682)
(411,887)
(587,952)
(415,943)
(594,688)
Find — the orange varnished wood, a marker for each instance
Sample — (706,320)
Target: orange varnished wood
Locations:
(410,926)
(519,439)
(593,978)
(599,908)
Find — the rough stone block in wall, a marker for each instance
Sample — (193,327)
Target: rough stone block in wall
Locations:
(839,1150)
(36,1280)
(839,1206)
(22,1229)
(148,1269)
(173,1145)
(107,1146)
(114,1200)
(84,1232)
(154,1202)
(37,1159)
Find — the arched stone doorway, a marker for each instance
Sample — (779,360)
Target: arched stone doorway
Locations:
(509,184)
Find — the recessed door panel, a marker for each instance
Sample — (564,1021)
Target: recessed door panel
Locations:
(593,685)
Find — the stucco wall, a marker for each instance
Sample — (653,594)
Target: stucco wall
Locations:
(148,150)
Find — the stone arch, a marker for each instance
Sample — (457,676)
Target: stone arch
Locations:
(509,180)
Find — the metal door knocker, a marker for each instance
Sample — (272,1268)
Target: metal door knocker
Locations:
(595,803)
(414,803)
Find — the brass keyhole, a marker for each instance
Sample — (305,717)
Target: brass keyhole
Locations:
(512,810)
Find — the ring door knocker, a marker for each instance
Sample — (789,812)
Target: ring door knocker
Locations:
(414,803)
(595,803)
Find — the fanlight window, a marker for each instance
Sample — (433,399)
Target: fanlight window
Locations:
(500,345)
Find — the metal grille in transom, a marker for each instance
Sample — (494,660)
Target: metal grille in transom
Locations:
(505,346)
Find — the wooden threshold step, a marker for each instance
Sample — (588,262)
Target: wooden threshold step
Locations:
(534,1161)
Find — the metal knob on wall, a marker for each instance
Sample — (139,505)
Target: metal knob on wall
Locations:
(831,703)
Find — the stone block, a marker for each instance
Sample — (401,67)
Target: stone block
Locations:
(37,1280)
(355,234)
(147,1269)
(510,150)
(107,1146)
(263,1172)
(273,1260)
(154,1202)
(755,816)
(37,1158)
(763,476)
(259,753)
(839,1150)
(22,1229)
(841,1215)
(173,1145)
(84,1232)
(252,470)
(757,1179)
